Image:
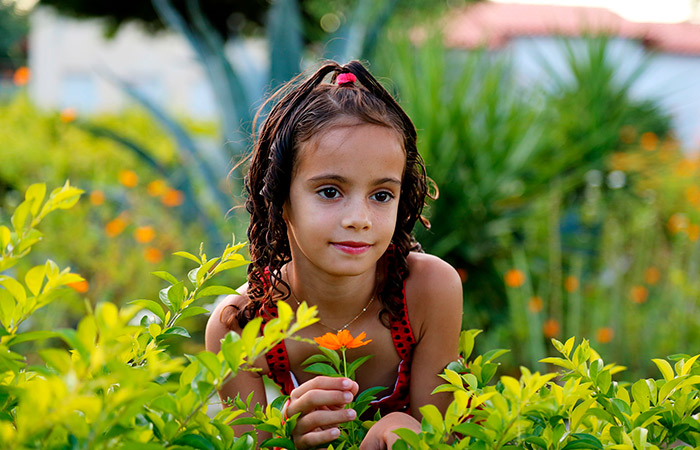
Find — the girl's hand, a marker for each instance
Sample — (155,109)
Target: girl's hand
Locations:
(382,437)
(321,402)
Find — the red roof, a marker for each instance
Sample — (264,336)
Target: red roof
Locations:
(493,25)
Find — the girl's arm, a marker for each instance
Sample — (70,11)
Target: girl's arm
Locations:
(434,301)
(319,401)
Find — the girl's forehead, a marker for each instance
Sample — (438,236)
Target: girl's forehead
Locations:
(351,144)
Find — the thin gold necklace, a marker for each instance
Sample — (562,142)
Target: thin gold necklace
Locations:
(337,330)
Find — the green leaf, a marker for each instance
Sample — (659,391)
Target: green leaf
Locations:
(174,331)
(30,336)
(152,306)
(278,442)
(665,368)
(641,394)
(322,369)
(353,366)
(15,288)
(493,354)
(189,256)
(194,441)
(34,196)
(162,274)
(210,361)
(583,440)
(57,359)
(215,290)
(190,311)
(19,218)
(176,294)
(472,430)
(34,279)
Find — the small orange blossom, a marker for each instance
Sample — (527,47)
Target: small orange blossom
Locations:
(649,141)
(652,275)
(535,304)
(514,278)
(80,286)
(639,294)
(22,76)
(115,226)
(604,335)
(97,197)
(693,232)
(153,255)
(550,329)
(571,283)
(173,197)
(341,341)
(68,115)
(144,234)
(128,178)
(156,188)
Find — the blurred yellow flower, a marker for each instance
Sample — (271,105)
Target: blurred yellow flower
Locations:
(550,329)
(68,115)
(535,304)
(156,188)
(604,335)
(639,294)
(153,255)
(514,278)
(693,232)
(128,178)
(22,76)
(97,197)
(144,234)
(649,141)
(571,283)
(173,197)
(687,167)
(652,275)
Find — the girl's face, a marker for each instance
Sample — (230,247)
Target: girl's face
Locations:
(344,197)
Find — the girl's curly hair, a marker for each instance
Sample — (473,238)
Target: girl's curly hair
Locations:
(302,111)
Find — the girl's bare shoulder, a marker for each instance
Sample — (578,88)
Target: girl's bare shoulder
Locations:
(216,328)
(433,290)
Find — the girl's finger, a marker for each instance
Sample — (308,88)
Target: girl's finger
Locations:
(326,383)
(318,399)
(315,438)
(323,419)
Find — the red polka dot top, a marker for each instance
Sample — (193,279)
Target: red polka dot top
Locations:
(404,343)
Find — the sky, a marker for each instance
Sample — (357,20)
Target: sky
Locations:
(634,10)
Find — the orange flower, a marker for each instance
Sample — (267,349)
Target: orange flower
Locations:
(677,222)
(692,194)
(693,232)
(153,255)
(535,304)
(341,341)
(652,275)
(649,141)
(97,197)
(156,188)
(128,178)
(514,278)
(687,167)
(22,76)
(639,294)
(68,115)
(463,276)
(571,284)
(144,234)
(604,335)
(550,328)
(115,227)
(80,286)
(173,197)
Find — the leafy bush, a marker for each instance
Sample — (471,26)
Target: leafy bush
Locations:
(112,382)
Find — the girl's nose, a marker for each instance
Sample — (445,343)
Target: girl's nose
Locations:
(357,216)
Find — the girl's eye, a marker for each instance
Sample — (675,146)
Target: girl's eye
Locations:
(383,196)
(329,192)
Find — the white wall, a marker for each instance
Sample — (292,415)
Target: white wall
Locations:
(69,57)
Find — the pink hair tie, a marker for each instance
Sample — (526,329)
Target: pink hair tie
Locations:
(345,78)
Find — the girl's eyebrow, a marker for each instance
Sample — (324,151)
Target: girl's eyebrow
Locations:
(341,179)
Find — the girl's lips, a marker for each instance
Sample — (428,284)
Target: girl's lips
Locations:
(352,248)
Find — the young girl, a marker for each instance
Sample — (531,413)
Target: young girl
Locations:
(335,187)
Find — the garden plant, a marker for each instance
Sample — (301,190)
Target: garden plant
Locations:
(115,381)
